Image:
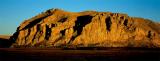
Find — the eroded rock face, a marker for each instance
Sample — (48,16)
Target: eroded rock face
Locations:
(86,29)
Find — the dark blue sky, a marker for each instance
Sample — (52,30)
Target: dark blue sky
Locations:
(13,12)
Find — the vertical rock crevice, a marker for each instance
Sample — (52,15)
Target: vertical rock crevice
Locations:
(149,34)
(37,29)
(125,22)
(48,32)
(108,23)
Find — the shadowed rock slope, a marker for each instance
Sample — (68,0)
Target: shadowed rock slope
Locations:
(56,27)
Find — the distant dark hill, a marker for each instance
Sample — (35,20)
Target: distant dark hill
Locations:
(4,41)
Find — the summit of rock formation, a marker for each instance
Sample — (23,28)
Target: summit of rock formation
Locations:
(56,27)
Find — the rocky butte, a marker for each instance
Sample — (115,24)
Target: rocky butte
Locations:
(56,27)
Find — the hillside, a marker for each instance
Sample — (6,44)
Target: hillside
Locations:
(58,28)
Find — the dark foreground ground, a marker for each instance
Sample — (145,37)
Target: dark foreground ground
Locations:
(79,54)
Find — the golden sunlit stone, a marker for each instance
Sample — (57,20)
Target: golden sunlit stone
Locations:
(56,27)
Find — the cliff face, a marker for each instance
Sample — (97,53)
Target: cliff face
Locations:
(86,29)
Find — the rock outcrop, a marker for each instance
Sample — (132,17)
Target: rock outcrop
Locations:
(56,27)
